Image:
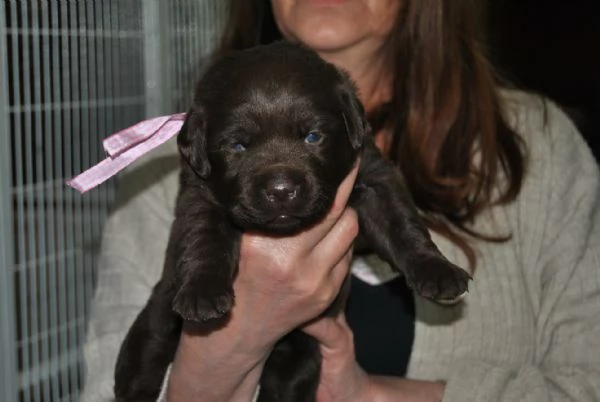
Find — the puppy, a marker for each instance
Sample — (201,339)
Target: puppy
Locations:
(270,136)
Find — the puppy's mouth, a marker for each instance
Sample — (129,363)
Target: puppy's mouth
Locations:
(283,223)
(284,219)
(275,223)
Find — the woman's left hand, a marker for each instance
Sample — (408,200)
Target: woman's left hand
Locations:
(342,379)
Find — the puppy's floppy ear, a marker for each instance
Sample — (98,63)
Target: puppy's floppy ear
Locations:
(354,114)
(192,142)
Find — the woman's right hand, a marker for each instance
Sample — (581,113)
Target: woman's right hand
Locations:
(282,283)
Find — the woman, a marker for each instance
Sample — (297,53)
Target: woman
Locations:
(503,179)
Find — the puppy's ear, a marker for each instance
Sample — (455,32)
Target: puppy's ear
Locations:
(192,142)
(354,114)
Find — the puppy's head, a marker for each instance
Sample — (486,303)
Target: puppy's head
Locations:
(273,130)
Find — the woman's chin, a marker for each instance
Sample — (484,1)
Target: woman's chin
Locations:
(327,40)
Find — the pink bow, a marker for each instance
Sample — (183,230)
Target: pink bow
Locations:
(126,146)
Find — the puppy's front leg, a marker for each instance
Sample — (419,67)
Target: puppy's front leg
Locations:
(392,227)
(206,257)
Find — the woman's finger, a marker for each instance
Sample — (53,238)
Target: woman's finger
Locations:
(343,193)
(339,239)
(330,332)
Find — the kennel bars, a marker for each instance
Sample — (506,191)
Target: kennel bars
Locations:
(71,73)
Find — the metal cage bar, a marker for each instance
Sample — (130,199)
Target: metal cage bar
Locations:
(9,369)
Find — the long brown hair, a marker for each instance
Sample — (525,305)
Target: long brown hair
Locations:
(445,124)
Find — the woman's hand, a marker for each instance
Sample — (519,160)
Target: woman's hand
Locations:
(282,283)
(343,380)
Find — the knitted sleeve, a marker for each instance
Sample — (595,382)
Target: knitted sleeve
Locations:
(131,259)
(567,362)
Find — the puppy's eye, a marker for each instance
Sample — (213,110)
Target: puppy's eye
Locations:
(239,147)
(314,137)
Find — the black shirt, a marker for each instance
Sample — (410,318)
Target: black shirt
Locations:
(382,320)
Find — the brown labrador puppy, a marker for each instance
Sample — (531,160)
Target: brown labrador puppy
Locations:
(270,136)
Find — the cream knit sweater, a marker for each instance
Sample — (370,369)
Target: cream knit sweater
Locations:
(529,330)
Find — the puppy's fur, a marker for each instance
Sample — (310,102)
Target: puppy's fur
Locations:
(270,136)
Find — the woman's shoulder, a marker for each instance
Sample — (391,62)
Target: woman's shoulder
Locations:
(548,133)
(561,174)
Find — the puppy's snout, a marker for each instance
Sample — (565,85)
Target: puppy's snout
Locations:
(283,187)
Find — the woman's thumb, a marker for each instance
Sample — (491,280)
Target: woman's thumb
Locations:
(330,332)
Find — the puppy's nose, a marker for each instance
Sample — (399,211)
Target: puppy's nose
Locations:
(281,189)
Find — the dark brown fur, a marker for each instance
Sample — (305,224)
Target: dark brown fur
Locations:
(249,166)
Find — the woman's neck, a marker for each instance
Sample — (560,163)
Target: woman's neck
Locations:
(369,69)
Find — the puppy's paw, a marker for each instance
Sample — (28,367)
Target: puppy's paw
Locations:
(197,304)
(437,279)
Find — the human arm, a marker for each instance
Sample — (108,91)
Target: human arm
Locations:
(559,236)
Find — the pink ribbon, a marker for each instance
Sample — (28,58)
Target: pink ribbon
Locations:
(125,146)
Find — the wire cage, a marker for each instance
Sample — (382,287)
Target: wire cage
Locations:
(71,73)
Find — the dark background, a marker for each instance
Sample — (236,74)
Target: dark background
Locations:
(551,47)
